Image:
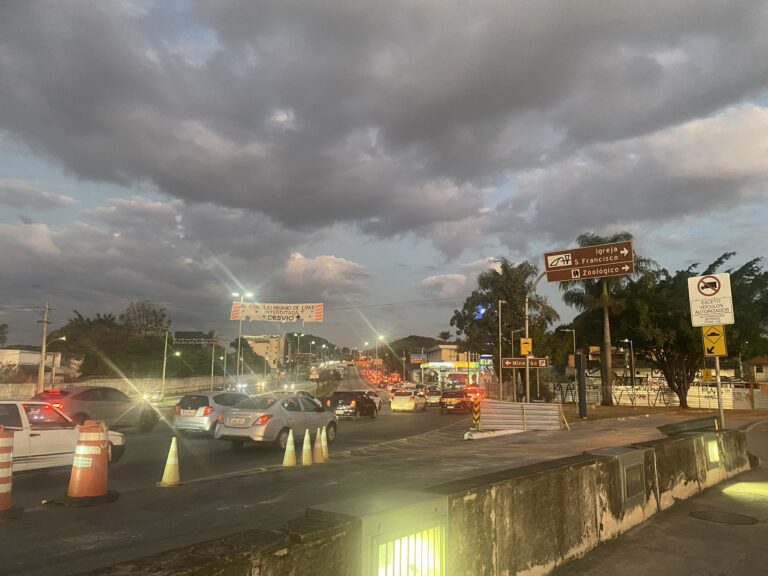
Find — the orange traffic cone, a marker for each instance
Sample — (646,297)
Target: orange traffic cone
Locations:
(306,450)
(7,511)
(171,472)
(88,482)
(317,451)
(324,443)
(289,459)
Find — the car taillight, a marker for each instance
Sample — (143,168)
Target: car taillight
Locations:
(352,404)
(207,410)
(177,409)
(57,405)
(263,419)
(328,403)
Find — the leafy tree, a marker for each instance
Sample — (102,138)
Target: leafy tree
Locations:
(445,335)
(602,294)
(146,317)
(478,319)
(657,319)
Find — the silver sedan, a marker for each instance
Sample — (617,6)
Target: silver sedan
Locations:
(200,411)
(270,417)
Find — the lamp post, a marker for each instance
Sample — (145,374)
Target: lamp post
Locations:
(631,360)
(501,377)
(312,343)
(573,332)
(240,328)
(44,357)
(379,339)
(527,368)
(365,344)
(514,370)
(224,368)
(324,354)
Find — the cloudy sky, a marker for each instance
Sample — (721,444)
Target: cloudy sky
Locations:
(364,153)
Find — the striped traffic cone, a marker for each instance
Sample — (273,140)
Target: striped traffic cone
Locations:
(289,459)
(306,450)
(317,451)
(88,482)
(7,511)
(171,471)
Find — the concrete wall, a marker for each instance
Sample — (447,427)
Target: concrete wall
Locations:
(524,521)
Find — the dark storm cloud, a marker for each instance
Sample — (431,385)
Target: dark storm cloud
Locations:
(393,115)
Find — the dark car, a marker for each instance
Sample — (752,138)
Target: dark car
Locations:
(455,401)
(83,403)
(352,405)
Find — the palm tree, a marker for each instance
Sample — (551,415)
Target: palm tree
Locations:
(444,335)
(602,294)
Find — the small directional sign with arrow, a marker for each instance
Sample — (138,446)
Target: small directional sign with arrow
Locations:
(713,338)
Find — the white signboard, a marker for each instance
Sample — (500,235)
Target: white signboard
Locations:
(710,298)
(259,311)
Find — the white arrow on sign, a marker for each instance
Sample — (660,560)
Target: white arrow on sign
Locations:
(624,252)
(625,268)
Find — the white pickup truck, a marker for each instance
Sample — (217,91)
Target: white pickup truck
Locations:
(44,437)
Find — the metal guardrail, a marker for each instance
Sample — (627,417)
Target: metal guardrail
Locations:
(501,415)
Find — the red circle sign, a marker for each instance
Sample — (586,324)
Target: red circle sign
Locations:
(708,286)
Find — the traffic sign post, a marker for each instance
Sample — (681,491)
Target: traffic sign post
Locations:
(590,262)
(712,307)
(526,346)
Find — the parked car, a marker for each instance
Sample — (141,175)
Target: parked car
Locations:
(269,418)
(455,401)
(433,394)
(44,437)
(352,404)
(410,400)
(83,403)
(199,412)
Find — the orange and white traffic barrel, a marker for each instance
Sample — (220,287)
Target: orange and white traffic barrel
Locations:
(7,511)
(88,482)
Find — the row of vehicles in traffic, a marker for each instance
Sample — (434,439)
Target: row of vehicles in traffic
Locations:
(449,400)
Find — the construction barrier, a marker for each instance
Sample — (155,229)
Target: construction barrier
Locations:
(501,415)
(88,482)
(7,511)
(171,471)
(324,443)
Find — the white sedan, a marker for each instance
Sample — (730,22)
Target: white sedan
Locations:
(44,437)
(408,400)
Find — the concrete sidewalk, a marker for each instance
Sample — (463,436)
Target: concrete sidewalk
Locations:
(722,532)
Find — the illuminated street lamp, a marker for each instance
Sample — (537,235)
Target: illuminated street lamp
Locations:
(312,343)
(631,359)
(324,355)
(380,338)
(240,328)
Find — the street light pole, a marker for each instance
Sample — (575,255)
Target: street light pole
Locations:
(165,362)
(41,367)
(240,329)
(501,377)
(514,370)
(527,369)
(380,338)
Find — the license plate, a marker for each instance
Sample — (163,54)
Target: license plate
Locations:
(188,412)
(237,420)
(339,412)
(450,407)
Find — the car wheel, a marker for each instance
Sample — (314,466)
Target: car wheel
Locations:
(424,408)
(80,418)
(330,432)
(213,429)
(356,417)
(375,413)
(282,439)
(147,421)
(237,445)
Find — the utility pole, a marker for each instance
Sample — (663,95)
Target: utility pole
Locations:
(41,367)
(213,360)
(165,361)
(501,378)
(527,368)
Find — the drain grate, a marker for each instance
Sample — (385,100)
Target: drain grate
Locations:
(724,517)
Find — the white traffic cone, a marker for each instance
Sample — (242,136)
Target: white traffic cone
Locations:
(171,472)
(290,451)
(324,444)
(317,451)
(306,450)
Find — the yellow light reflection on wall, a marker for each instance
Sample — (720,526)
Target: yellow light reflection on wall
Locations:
(419,554)
(713,454)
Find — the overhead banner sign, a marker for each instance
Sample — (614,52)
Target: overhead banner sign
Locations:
(590,262)
(711,300)
(418,358)
(261,312)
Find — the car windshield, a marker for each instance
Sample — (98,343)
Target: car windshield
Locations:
(454,394)
(256,403)
(193,402)
(343,396)
(403,393)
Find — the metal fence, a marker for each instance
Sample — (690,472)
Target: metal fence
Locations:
(500,415)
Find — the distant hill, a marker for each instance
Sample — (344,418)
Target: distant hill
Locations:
(414,344)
